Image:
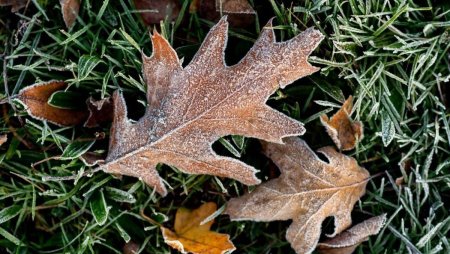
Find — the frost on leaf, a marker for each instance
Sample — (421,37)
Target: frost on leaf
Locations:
(190,108)
(307,191)
(36,97)
(347,241)
(344,132)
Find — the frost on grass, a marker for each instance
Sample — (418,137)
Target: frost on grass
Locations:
(190,108)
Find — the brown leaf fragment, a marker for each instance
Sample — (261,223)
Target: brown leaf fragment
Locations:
(100,111)
(192,107)
(234,6)
(155,11)
(15,4)
(399,181)
(240,12)
(3,139)
(130,248)
(344,132)
(70,9)
(35,98)
(193,237)
(92,158)
(347,241)
(307,191)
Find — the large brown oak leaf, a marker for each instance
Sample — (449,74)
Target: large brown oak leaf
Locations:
(307,191)
(189,108)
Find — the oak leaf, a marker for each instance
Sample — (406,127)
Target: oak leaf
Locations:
(35,98)
(190,108)
(344,132)
(307,191)
(347,241)
(192,236)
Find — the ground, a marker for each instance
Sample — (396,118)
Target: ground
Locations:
(391,55)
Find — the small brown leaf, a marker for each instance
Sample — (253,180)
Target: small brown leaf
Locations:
(399,181)
(191,236)
(234,7)
(130,248)
(240,12)
(70,9)
(35,98)
(15,4)
(3,139)
(100,111)
(155,11)
(344,132)
(347,241)
(191,107)
(308,191)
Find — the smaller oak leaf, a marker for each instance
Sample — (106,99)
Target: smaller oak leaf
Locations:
(308,191)
(35,98)
(192,236)
(347,241)
(344,132)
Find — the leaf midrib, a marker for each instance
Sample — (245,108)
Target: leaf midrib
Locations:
(168,134)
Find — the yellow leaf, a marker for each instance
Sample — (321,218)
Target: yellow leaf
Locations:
(190,236)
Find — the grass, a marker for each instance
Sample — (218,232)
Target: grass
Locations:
(391,55)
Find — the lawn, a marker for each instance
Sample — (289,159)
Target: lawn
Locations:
(392,56)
